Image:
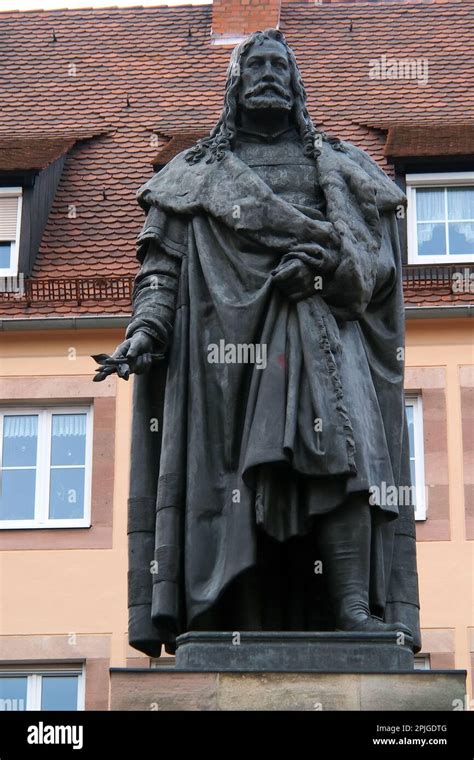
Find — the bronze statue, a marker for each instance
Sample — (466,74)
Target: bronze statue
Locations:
(270,280)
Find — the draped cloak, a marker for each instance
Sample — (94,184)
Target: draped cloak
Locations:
(229,472)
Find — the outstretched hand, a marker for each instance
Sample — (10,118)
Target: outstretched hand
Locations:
(133,355)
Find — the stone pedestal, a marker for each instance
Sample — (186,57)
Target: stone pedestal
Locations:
(294,652)
(169,689)
(288,671)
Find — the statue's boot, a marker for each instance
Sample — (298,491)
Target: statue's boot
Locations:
(344,544)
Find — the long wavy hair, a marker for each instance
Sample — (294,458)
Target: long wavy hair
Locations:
(222,136)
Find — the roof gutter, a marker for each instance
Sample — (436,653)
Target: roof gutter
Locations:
(97,321)
(439,312)
(86,322)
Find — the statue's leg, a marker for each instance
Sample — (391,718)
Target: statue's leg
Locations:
(344,537)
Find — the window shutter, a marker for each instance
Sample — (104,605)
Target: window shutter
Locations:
(8,218)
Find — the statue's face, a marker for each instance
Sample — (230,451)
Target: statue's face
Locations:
(265,78)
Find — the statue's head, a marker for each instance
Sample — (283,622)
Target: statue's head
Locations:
(267,74)
(262,74)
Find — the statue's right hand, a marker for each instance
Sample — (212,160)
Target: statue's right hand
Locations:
(135,354)
(136,351)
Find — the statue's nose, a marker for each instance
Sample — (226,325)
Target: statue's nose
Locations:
(268,74)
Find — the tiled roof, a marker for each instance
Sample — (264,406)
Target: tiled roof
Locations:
(23,152)
(134,73)
(435,296)
(443,140)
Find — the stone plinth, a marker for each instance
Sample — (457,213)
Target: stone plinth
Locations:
(294,652)
(170,689)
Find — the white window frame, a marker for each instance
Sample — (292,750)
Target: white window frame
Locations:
(34,675)
(415,400)
(422,662)
(43,467)
(13,192)
(439,179)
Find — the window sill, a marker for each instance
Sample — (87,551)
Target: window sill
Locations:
(451,260)
(16,525)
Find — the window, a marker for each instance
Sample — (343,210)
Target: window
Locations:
(422,662)
(45,456)
(417,459)
(10,220)
(440,218)
(42,688)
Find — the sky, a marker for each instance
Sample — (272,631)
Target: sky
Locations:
(28,5)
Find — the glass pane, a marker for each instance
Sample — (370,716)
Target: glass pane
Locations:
(431,239)
(59,692)
(411,431)
(17,495)
(20,440)
(66,498)
(430,204)
(461,238)
(5,255)
(13,692)
(460,202)
(68,439)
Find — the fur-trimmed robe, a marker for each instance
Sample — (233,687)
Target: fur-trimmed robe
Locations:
(236,446)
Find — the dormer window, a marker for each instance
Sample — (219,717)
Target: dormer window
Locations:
(440,218)
(10,221)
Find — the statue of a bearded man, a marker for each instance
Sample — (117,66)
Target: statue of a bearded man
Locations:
(270,280)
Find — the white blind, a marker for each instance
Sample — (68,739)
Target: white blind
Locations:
(69,424)
(26,425)
(20,426)
(8,217)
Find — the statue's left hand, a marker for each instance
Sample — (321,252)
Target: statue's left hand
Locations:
(295,279)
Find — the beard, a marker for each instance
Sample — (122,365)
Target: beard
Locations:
(268,97)
(268,102)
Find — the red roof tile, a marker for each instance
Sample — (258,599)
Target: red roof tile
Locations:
(138,72)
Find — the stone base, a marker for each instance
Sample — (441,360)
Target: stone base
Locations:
(166,688)
(294,652)
(288,671)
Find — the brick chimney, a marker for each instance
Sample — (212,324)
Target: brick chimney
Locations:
(232,20)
